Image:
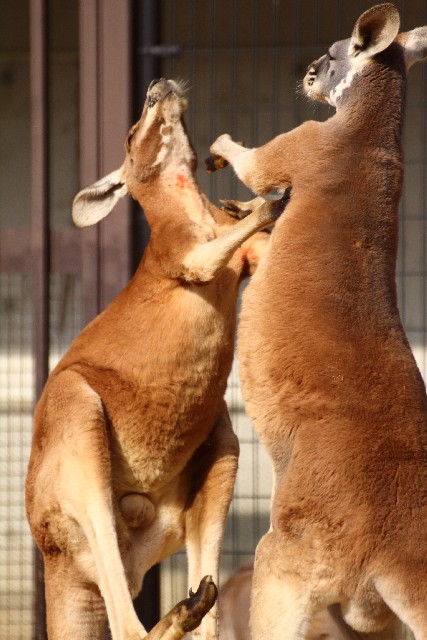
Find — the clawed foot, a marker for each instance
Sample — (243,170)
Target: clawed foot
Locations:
(188,614)
(199,603)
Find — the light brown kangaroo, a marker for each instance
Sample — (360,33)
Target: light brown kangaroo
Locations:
(328,375)
(133,452)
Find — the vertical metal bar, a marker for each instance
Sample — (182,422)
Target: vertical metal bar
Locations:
(295,44)
(213,99)
(255,72)
(40,232)
(424,222)
(115,113)
(276,69)
(89,156)
(146,20)
(105,116)
(40,188)
(146,17)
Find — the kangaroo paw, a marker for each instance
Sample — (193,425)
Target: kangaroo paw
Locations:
(199,603)
(213,163)
(278,206)
(240,210)
(233,208)
(186,615)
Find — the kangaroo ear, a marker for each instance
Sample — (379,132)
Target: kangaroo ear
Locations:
(414,45)
(95,202)
(375,30)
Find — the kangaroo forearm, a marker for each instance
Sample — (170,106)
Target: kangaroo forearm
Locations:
(253,166)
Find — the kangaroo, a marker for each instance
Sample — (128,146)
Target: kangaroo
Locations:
(328,376)
(133,453)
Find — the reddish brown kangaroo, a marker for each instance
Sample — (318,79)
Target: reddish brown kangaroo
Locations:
(133,452)
(328,375)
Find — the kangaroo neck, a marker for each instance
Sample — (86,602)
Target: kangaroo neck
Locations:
(175,194)
(373,112)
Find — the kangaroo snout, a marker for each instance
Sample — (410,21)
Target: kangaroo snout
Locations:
(160,88)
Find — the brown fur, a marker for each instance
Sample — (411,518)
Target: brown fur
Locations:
(133,453)
(234,605)
(328,375)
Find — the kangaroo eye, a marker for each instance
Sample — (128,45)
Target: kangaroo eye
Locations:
(330,57)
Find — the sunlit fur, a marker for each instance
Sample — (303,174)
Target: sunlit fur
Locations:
(234,605)
(133,453)
(328,376)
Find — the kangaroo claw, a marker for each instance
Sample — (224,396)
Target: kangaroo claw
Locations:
(233,208)
(187,614)
(213,163)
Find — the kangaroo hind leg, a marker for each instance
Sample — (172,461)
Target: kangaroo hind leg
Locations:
(75,607)
(212,473)
(281,601)
(405,592)
(80,507)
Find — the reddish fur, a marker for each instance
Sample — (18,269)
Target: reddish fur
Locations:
(328,376)
(133,448)
(181,181)
(234,604)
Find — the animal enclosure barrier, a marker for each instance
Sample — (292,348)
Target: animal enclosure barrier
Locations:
(242,60)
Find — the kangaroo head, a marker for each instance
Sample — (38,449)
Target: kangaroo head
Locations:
(156,144)
(330,78)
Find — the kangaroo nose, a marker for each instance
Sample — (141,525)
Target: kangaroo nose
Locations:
(153,83)
(156,81)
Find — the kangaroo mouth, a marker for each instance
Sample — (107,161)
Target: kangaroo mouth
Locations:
(160,89)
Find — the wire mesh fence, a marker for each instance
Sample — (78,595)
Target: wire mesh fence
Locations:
(16,404)
(242,60)
(16,409)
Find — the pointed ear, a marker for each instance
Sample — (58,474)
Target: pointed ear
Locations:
(375,30)
(95,202)
(414,45)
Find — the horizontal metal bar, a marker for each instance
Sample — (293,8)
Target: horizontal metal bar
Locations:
(195,51)
(161,50)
